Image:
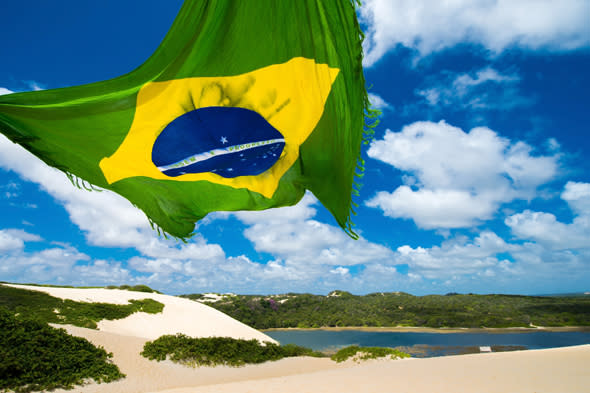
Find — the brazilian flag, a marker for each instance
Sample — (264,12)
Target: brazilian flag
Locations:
(243,106)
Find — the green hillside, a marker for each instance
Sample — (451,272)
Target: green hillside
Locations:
(340,309)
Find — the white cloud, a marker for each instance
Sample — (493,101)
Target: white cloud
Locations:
(51,264)
(4,91)
(435,208)
(290,234)
(9,242)
(340,271)
(488,263)
(34,86)
(545,229)
(456,257)
(14,239)
(553,145)
(577,195)
(484,89)
(428,26)
(457,178)
(379,103)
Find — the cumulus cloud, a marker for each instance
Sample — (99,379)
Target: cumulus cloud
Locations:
(14,239)
(454,178)
(9,242)
(547,230)
(4,90)
(577,195)
(484,89)
(292,235)
(55,263)
(458,257)
(488,261)
(379,103)
(428,26)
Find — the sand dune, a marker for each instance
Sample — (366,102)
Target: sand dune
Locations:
(179,316)
(560,370)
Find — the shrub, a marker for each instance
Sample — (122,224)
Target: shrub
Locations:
(136,288)
(366,353)
(212,351)
(35,356)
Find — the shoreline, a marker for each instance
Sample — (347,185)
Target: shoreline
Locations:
(417,329)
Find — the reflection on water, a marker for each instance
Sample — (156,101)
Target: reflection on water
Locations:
(428,351)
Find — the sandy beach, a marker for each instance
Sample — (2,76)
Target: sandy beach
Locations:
(560,370)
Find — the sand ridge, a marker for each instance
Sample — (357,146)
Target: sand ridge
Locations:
(180,315)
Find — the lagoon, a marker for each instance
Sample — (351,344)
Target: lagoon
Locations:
(429,344)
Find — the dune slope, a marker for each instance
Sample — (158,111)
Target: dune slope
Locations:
(179,316)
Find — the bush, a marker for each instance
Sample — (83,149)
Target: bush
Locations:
(35,356)
(136,288)
(366,353)
(213,351)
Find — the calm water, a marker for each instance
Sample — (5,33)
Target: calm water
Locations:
(429,344)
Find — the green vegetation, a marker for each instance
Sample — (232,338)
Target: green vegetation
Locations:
(49,309)
(135,288)
(35,356)
(212,351)
(401,309)
(366,353)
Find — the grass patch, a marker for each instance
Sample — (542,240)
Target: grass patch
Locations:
(35,356)
(365,353)
(49,309)
(213,351)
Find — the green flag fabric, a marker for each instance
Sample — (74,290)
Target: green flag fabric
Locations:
(243,106)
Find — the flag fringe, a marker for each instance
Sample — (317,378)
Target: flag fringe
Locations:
(80,183)
(165,234)
(371,121)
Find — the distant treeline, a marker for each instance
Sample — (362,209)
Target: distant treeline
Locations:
(340,309)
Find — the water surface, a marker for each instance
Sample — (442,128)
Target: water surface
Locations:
(429,344)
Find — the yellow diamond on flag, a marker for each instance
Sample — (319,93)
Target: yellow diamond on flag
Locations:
(289,96)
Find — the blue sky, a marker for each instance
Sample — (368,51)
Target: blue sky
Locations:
(477,179)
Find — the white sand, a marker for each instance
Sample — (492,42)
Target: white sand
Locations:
(179,316)
(560,370)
